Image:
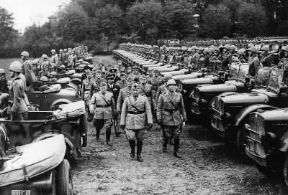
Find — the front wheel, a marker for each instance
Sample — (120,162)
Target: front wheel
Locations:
(64,185)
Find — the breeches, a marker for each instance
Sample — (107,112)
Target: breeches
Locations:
(172,131)
(132,134)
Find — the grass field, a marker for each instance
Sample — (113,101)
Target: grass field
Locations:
(4,63)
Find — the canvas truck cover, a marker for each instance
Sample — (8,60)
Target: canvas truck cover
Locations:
(33,159)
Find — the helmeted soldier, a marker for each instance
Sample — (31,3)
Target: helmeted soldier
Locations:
(27,69)
(54,60)
(41,85)
(102,105)
(136,117)
(86,91)
(20,101)
(171,115)
(163,88)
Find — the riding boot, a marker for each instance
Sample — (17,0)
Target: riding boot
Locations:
(97,134)
(139,150)
(132,146)
(176,148)
(108,134)
(165,143)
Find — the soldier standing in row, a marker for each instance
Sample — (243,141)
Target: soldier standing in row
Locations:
(124,93)
(20,101)
(102,106)
(171,115)
(136,117)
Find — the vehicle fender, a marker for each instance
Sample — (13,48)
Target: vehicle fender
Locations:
(76,81)
(65,101)
(245,111)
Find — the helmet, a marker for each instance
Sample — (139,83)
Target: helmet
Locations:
(15,66)
(25,54)
(62,67)
(44,79)
(102,84)
(44,56)
(171,82)
(53,50)
(53,73)
(2,71)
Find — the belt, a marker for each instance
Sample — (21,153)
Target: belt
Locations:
(171,110)
(139,112)
(103,106)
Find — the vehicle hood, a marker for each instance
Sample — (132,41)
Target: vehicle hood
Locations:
(193,75)
(196,81)
(275,115)
(177,72)
(217,88)
(253,98)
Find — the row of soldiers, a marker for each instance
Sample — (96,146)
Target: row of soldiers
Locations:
(130,102)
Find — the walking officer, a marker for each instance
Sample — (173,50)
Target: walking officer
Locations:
(102,106)
(136,117)
(171,115)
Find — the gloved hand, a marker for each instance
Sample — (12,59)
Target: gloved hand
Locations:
(122,127)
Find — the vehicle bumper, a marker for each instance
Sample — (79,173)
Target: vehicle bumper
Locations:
(41,185)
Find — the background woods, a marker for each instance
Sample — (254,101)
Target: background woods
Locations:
(101,24)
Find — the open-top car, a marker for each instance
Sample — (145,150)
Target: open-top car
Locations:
(202,95)
(230,110)
(267,141)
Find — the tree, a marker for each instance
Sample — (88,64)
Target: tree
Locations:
(108,20)
(252,19)
(7,33)
(144,20)
(216,21)
(177,19)
(73,22)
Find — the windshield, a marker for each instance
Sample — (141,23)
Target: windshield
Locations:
(262,77)
(275,80)
(243,72)
(233,70)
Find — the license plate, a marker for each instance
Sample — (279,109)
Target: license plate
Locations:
(20,192)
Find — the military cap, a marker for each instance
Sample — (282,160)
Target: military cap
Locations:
(108,77)
(102,84)
(135,86)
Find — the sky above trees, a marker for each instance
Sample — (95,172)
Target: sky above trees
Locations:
(29,12)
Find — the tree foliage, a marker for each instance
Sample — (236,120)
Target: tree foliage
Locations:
(252,19)
(216,21)
(143,19)
(7,33)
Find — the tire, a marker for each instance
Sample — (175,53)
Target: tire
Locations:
(64,185)
(240,140)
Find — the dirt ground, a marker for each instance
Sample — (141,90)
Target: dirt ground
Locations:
(207,167)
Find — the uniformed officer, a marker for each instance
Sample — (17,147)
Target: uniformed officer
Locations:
(20,101)
(123,94)
(171,115)
(102,105)
(115,89)
(136,117)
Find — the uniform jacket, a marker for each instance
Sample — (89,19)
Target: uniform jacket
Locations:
(161,90)
(136,121)
(103,109)
(115,89)
(124,93)
(28,72)
(170,109)
(54,60)
(19,96)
